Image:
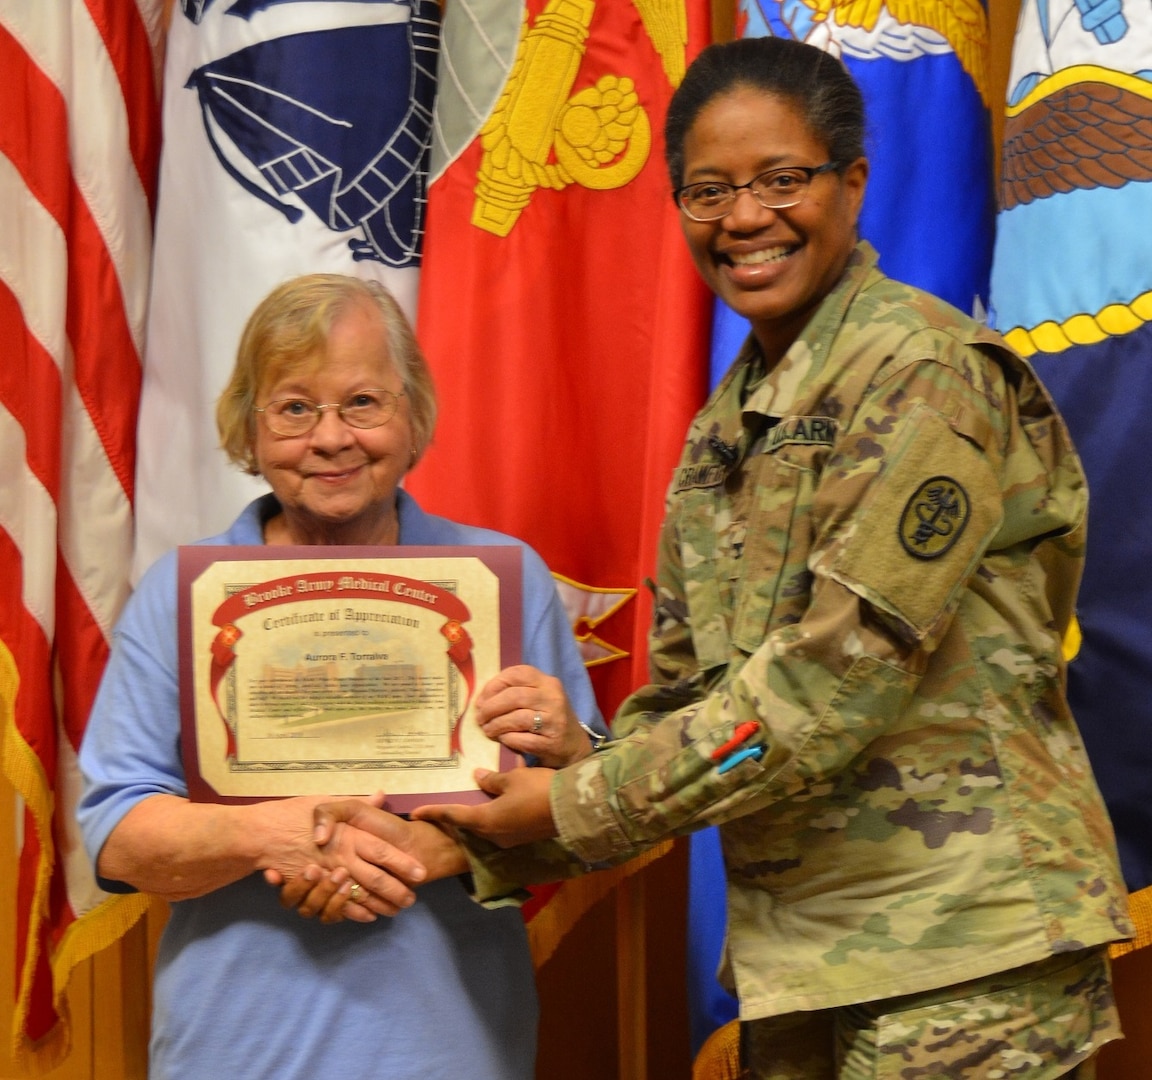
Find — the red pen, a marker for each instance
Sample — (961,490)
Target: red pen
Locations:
(743,733)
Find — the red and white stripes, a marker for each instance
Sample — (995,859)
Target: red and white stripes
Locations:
(79,141)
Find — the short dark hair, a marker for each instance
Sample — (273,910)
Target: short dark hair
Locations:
(818,84)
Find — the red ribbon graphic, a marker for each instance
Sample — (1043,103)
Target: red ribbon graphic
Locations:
(363,585)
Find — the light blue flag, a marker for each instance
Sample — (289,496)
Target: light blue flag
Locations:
(929,211)
(1072,290)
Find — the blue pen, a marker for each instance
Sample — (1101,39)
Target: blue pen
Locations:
(756,752)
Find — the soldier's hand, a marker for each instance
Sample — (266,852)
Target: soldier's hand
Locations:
(520,813)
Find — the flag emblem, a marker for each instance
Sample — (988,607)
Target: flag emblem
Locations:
(601,137)
(292,120)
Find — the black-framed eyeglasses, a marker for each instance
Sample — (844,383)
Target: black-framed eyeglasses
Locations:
(776,189)
(292,416)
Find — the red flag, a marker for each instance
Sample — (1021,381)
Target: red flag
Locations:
(564,322)
(78,151)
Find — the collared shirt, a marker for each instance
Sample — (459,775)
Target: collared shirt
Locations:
(246,988)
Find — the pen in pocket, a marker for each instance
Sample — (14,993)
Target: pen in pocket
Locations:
(746,754)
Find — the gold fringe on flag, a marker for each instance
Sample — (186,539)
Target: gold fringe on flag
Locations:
(89,933)
(23,769)
(575,897)
(719,1057)
(100,928)
(1140,906)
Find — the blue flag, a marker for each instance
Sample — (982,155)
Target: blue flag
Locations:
(929,211)
(1072,290)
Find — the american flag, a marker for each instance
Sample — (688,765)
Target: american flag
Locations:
(79,144)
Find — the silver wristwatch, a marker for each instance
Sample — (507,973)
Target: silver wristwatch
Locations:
(598,741)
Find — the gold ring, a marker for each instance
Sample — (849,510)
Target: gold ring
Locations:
(537,724)
(355,891)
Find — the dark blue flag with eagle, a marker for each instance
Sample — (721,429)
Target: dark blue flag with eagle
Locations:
(1072,290)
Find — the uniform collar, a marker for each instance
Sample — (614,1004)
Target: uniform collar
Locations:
(802,367)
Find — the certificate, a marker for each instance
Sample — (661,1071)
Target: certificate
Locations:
(341,670)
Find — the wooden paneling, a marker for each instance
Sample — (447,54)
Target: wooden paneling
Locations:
(580,1022)
(109,994)
(1131,1058)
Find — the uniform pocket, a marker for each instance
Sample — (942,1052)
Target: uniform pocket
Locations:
(703,529)
(775,582)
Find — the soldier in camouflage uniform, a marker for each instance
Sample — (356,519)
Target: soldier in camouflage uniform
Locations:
(871,552)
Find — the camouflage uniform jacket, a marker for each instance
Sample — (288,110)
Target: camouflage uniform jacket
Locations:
(872,552)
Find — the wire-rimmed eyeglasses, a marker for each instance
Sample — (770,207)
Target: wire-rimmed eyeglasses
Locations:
(776,189)
(292,416)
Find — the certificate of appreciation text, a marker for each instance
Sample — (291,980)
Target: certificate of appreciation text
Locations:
(342,671)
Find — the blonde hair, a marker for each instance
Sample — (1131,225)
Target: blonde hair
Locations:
(289,329)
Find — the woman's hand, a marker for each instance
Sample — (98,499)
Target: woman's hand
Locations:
(520,814)
(528,712)
(373,843)
(178,849)
(361,874)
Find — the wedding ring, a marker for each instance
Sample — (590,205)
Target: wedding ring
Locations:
(537,724)
(355,891)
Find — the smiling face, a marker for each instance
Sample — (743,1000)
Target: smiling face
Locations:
(771,266)
(337,484)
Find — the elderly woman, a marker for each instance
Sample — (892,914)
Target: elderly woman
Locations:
(332,403)
(870,553)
